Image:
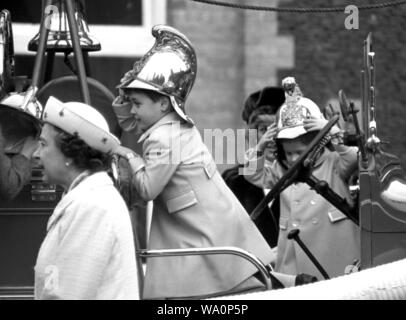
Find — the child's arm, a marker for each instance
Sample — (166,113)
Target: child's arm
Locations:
(122,109)
(348,161)
(253,166)
(255,158)
(152,172)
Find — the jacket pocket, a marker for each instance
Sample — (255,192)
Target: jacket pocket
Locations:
(335,215)
(181,202)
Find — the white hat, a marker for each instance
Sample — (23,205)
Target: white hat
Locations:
(294,111)
(83,120)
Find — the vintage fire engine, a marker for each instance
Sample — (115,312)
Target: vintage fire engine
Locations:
(380,191)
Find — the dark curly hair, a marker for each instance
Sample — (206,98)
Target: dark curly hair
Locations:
(83,156)
(272,97)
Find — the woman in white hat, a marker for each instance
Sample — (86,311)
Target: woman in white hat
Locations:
(88,252)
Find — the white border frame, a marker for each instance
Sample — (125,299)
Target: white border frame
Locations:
(116,41)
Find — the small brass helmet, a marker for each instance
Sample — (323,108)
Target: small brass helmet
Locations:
(169,68)
(20,115)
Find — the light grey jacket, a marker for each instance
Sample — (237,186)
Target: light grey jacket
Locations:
(193,207)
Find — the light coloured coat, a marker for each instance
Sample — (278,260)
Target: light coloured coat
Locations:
(332,238)
(193,208)
(88,252)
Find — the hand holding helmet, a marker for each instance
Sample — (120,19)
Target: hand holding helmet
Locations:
(268,139)
(313,123)
(316,124)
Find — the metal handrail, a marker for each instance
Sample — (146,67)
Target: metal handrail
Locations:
(157,253)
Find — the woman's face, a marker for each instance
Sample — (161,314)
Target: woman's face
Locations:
(51,157)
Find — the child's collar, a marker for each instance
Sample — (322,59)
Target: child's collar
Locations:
(168,118)
(322,157)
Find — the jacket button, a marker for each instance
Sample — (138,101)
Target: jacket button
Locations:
(315,220)
(295,224)
(312,202)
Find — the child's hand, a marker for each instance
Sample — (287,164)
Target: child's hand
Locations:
(125,152)
(268,139)
(121,100)
(317,124)
(314,124)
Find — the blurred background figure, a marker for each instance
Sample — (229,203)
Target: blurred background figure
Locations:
(19,130)
(258,114)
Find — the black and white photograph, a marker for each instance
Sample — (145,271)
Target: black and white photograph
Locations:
(214,151)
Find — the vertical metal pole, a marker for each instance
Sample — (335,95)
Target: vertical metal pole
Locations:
(49,66)
(73,28)
(43,37)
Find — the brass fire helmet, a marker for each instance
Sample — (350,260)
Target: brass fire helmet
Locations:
(169,67)
(17,122)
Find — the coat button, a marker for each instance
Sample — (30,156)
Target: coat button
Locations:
(295,224)
(312,202)
(315,220)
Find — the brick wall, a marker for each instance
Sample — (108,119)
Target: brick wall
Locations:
(240,51)
(328,57)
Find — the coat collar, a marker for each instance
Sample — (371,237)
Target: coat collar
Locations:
(323,157)
(169,118)
(90,182)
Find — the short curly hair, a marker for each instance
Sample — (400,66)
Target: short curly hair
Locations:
(83,156)
(272,97)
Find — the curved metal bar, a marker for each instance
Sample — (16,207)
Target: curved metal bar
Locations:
(211,251)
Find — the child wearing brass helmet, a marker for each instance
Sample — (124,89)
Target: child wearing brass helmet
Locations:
(328,233)
(192,206)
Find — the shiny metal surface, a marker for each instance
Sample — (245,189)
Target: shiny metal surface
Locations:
(211,251)
(20,115)
(59,37)
(395,195)
(169,67)
(6,53)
